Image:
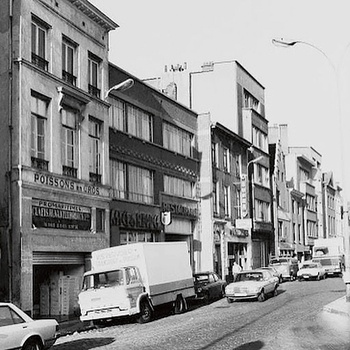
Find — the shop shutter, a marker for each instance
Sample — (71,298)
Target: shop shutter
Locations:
(53,258)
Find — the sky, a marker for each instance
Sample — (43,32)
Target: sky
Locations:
(306,87)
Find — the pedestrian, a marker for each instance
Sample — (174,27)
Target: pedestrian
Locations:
(236,269)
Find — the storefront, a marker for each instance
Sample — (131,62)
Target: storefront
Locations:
(184,216)
(135,222)
(64,220)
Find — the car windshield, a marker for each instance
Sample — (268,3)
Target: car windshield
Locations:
(309,266)
(249,276)
(201,278)
(103,279)
(278,261)
(327,262)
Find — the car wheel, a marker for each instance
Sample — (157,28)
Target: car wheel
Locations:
(318,277)
(145,312)
(229,300)
(262,296)
(222,293)
(280,280)
(32,344)
(275,292)
(206,297)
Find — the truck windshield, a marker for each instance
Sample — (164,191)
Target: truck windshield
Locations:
(103,279)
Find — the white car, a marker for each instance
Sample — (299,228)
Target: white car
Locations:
(252,284)
(19,331)
(311,270)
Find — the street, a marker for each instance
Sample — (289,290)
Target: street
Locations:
(292,320)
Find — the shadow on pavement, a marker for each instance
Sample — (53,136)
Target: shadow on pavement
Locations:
(254,345)
(84,344)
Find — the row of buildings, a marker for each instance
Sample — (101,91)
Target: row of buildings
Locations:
(88,163)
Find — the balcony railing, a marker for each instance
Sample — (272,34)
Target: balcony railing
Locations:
(39,163)
(93,90)
(70,171)
(95,178)
(69,78)
(40,62)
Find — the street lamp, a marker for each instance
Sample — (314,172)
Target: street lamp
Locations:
(254,161)
(289,43)
(124,85)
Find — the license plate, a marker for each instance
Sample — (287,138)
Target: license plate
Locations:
(306,276)
(240,294)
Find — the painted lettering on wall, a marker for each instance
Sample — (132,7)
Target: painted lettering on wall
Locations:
(57,215)
(180,210)
(65,184)
(126,219)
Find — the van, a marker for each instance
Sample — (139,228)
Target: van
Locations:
(287,267)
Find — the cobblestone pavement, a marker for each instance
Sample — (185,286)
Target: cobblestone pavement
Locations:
(293,320)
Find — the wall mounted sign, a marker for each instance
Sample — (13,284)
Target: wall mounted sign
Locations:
(57,215)
(142,220)
(65,184)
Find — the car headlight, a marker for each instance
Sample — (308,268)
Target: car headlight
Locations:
(199,290)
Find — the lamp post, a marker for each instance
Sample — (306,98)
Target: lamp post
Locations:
(286,44)
(124,85)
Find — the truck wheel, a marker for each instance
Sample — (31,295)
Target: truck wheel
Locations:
(180,305)
(145,312)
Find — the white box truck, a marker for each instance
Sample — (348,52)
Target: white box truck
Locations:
(133,279)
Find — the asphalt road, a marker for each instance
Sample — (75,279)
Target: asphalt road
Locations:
(292,320)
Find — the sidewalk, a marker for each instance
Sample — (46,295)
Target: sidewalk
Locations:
(71,326)
(339,306)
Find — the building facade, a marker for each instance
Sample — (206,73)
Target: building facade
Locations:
(224,198)
(54,125)
(154,166)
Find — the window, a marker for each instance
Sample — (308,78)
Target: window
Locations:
(39,107)
(177,140)
(262,211)
(262,176)
(9,317)
(39,38)
(131,182)
(95,150)
(259,139)
(227,204)
(250,101)
(237,207)
(68,61)
(226,156)
(214,154)
(93,74)
(178,187)
(215,198)
(100,220)
(304,175)
(134,237)
(69,143)
(128,118)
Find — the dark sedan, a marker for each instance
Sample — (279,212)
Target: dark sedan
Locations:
(208,286)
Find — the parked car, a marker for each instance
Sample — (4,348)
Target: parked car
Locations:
(208,286)
(252,284)
(19,331)
(274,272)
(311,270)
(288,267)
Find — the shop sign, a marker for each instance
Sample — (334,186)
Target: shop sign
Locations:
(125,219)
(65,184)
(57,215)
(244,195)
(180,210)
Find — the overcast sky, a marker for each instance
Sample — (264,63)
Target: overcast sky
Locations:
(300,82)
